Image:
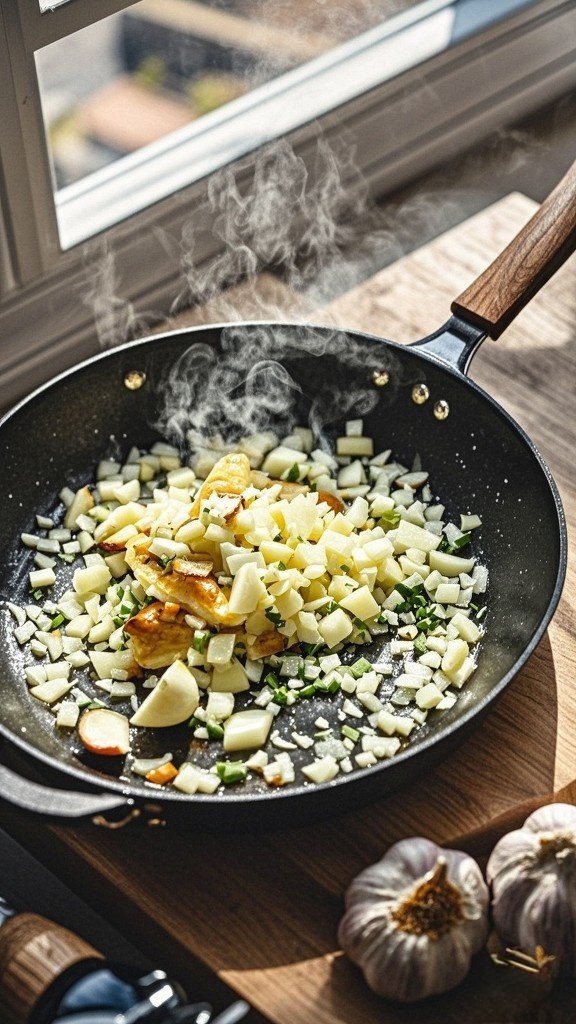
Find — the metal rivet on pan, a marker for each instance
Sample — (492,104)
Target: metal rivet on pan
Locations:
(134,380)
(380,378)
(420,394)
(441,409)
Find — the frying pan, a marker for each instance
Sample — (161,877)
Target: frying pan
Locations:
(478,458)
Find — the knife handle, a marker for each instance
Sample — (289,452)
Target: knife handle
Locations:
(532,257)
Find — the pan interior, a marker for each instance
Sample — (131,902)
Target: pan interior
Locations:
(477,459)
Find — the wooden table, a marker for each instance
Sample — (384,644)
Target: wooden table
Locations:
(260,913)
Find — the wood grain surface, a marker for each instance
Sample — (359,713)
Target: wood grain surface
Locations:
(33,954)
(504,288)
(261,911)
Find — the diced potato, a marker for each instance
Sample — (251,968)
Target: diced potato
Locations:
(428,696)
(106,662)
(219,706)
(230,679)
(274,551)
(289,604)
(173,700)
(355,446)
(83,501)
(51,691)
(323,770)
(335,627)
(92,580)
(119,517)
(456,653)
(282,459)
(410,536)
(447,593)
(79,626)
(247,590)
(307,628)
(361,604)
(188,779)
(449,565)
(190,532)
(68,715)
(467,629)
(221,649)
(247,730)
(462,674)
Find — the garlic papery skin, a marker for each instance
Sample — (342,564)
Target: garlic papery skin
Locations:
(414,920)
(532,872)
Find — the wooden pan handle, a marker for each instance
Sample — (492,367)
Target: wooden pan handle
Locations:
(33,954)
(540,248)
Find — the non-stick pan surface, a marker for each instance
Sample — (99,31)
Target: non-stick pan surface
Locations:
(479,460)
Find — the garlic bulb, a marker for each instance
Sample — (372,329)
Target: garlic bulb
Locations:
(532,872)
(415,919)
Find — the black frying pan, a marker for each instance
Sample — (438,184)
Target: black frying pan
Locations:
(478,458)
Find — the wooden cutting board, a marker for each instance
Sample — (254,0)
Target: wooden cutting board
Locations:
(260,914)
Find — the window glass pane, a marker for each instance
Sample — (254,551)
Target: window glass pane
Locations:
(135,77)
(49,5)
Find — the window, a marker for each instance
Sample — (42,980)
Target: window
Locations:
(116,113)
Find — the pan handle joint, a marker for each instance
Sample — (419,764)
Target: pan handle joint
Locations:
(455,343)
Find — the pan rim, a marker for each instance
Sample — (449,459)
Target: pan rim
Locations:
(291,794)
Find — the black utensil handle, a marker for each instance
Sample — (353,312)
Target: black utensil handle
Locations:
(56,803)
(532,257)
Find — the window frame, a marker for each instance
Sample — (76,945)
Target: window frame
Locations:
(519,62)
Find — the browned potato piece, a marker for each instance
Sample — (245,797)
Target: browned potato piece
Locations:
(264,645)
(230,475)
(200,565)
(200,595)
(335,504)
(157,641)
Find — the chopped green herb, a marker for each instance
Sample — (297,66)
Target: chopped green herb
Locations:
(57,621)
(345,568)
(307,691)
(281,566)
(293,473)
(389,519)
(420,644)
(274,617)
(214,729)
(311,649)
(195,723)
(350,733)
(359,623)
(332,607)
(271,680)
(321,686)
(360,667)
(280,696)
(231,771)
(38,595)
(200,640)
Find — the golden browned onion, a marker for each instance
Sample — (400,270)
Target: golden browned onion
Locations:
(157,641)
(200,595)
(230,475)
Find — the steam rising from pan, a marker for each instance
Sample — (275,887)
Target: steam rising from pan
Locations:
(243,387)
